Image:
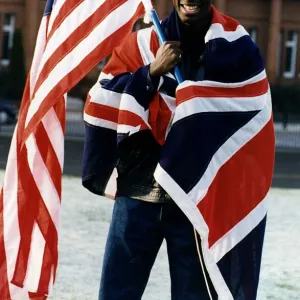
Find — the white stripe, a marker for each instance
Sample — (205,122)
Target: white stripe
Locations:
(129,103)
(105,76)
(54,13)
(35,260)
(51,281)
(239,232)
(171,103)
(148,7)
(127,129)
(123,14)
(105,97)
(207,83)
(191,211)
(79,15)
(203,105)
(217,31)
(11,218)
(38,52)
(143,41)
(43,180)
(228,149)
(55,134)
(99,122)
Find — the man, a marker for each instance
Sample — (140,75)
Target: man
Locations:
(144,214)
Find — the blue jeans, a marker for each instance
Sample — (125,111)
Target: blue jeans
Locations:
(136,233)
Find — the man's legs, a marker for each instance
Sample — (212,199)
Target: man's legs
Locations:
(187,279)
(134,239)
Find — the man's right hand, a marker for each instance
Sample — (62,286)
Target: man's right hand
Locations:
(167,57)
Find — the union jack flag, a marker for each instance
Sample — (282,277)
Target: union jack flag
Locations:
(74,36)
(218,143)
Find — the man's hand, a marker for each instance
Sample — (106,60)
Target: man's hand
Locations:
(168,55)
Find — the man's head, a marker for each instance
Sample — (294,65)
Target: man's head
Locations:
(192,12)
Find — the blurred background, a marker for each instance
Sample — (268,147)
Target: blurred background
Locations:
(273,24)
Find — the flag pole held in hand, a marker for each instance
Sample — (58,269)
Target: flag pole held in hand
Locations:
(151,15)
(162,39)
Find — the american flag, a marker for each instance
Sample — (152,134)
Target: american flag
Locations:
(218,144)
(74,36)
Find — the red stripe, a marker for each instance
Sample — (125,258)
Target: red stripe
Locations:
(154,43)
(131,119)
(51,237)
(67,8)
(240,185)
(160,114)
(76,37)
(4,285)
(60,109)
(121,61)
(159,118)
(115,115)
(103,50)
(49,157)
(36,296)
(23,110)
(27,209)
(163,121)
(102,112)
(194,91)
(46,270)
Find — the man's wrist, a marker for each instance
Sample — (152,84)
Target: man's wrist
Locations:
(153,79)
(153,70)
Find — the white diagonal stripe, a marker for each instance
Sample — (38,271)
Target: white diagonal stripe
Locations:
(239,231)
(203,105)
(208,83)
(55,134)
(105,97)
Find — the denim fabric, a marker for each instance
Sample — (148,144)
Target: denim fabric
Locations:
(137,231)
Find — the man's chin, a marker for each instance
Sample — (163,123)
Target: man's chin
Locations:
(189,20)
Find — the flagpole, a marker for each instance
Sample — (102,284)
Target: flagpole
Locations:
(151,15)
(162,39)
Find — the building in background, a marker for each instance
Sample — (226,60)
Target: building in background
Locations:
(273,24)
(23,14)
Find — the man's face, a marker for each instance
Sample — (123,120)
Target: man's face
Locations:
(192,11)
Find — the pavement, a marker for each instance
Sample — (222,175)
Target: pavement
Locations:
(286,175)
